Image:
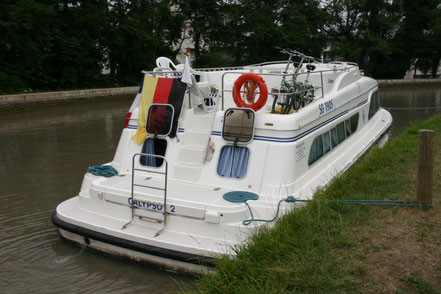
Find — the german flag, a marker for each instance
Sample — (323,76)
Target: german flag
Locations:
(159,91)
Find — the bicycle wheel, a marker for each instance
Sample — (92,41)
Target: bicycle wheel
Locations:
(282,104)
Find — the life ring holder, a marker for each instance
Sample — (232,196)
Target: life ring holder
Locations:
(256,79)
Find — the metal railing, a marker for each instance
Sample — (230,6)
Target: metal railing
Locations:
(294,74)
(315,88)
(133,185)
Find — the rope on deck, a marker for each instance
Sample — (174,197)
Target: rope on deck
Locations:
(102,171)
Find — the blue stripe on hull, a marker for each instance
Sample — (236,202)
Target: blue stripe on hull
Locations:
(295,138)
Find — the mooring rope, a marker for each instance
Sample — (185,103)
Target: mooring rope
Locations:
(292,199)
(412,108)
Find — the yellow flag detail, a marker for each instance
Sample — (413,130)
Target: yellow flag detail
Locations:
(148,91)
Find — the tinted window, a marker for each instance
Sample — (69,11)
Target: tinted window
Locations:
(354,122)
(238,125)
(334,140)
(326,142)
(159,120)
(348,128)
(374,105)
(341,132)
(316,150)
(153,146)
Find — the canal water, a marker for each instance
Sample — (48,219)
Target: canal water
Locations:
(409,105)
(44,153)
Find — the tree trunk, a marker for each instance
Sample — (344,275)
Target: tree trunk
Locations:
(415,67)
(112,70)
(435,65)
(197,46)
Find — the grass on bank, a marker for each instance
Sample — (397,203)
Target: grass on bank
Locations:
(327,247)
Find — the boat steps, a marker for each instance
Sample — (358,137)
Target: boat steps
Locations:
(192,154)
(196,137)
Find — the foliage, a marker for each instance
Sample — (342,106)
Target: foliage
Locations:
(63,44)
(25,33)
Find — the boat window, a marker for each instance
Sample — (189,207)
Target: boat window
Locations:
(341,132)
(233,161)
(326,142)
(334,140)
(374,105)
(316,150)
(354,122)
(348,128)
(238,125)
(322,144)
(159,120)
(153,146)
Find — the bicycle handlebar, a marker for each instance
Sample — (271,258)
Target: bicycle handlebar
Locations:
(296,53)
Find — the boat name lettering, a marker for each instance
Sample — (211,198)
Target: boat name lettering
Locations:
(150,205)
(326,107)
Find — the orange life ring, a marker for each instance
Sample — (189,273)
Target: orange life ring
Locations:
(250,80)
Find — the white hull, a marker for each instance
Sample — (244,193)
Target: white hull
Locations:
(200,224)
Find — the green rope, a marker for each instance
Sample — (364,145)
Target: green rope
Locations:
(252,219)
(292,199)
(410,108)
(385,203)
(102,171)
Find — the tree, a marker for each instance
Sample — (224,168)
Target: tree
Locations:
(367,32)
(25,35)
(76,44)
(254,30)
(138,32)
(201,22)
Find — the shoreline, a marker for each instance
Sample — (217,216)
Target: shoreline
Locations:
(404,82)
(23,99)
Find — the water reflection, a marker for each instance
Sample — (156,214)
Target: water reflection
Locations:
(412,98)
(43,156)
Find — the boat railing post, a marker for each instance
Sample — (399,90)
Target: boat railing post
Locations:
(131,194)
(321,81)
(189,100)
(223,93)
(165,200)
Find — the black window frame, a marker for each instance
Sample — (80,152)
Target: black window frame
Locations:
(237,140)
(374,104)
(159,144)
(171,119)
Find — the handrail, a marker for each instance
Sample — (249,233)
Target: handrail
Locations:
(274,74)
(165,213)
(282,73)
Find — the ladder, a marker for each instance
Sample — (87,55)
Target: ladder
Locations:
(164,189)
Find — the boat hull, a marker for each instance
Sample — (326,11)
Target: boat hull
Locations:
(175,215)
(173,260)
(160,257)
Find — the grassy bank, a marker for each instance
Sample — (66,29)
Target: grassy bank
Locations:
(327,247)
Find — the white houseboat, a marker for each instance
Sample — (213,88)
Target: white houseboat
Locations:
(207,156)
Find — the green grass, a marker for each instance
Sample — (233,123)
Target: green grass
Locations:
(418,284)
(314,249)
